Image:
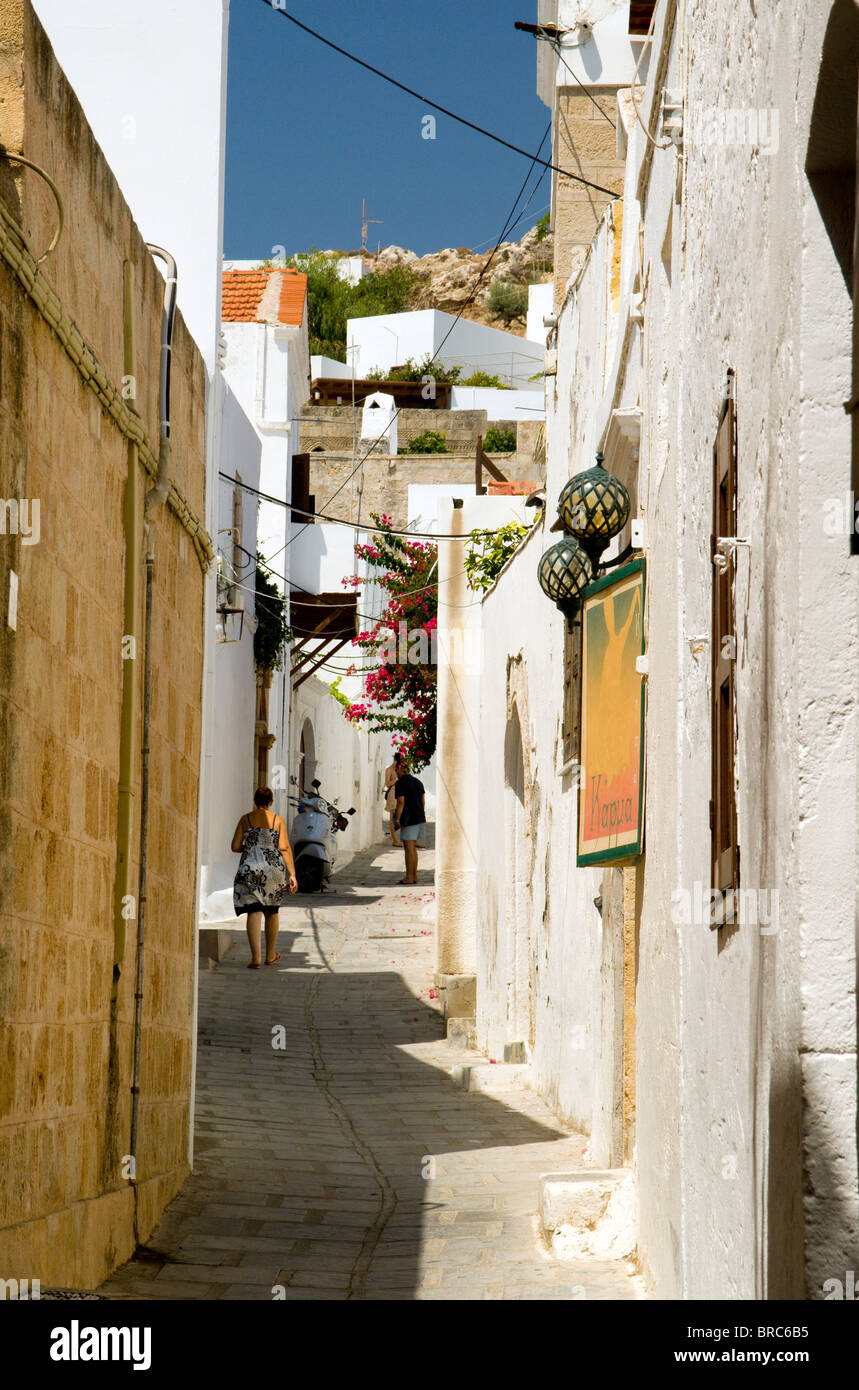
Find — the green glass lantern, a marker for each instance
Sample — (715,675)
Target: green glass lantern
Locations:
(564,572)
(594,507)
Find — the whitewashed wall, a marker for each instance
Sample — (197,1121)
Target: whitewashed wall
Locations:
(160,118)
(230,757)
(350,765)
(349,760)
(387,340)
(267,367)
(540,932)
(499,405)
(746,1041)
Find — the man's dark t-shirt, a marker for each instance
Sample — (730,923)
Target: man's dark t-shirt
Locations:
(412,791)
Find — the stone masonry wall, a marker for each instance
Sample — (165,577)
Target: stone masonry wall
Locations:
(586,144)
(67,1211)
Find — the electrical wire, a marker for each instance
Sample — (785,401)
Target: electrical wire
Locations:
(456,320)
(61,215)
(555,45)
(647,39)
(475,250)
(481,130)
(470,300)
(340,521)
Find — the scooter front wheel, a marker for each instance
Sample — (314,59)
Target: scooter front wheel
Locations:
(310,877)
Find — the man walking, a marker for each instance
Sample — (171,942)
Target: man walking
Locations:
(410,816)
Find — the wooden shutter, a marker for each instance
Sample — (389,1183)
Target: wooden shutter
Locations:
(854,402)
(572,690)
(723,806)
(301,486)
(640,15)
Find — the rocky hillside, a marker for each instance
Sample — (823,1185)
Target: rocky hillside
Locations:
(449,277)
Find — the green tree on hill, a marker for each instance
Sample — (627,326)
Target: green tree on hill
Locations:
(331,301)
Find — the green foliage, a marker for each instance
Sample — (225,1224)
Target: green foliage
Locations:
(542,228)
(489,552)
(430,442)
(498,441)
(273,631)
(508,302)
(416,371)
(485,379)
(331,301)
(341,699)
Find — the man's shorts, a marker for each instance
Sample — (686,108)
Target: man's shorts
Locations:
(413,832)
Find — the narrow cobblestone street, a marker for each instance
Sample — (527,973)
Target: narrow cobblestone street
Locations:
(335,1157)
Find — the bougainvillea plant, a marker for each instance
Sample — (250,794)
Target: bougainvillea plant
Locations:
(399,696)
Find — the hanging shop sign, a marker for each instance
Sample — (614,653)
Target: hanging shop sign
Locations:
(611,782)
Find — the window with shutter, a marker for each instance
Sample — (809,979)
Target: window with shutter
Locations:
(301,487)
(572,690)
(640,15)
(723,806)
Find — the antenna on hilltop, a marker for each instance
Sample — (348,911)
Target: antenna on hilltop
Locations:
(365,223)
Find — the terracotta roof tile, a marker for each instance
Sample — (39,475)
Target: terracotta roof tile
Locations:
(293,293)
(243,292)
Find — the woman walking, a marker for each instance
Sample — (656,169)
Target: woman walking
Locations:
(265,875)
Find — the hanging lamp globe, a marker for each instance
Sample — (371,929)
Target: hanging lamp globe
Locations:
(594,507)
(564,572)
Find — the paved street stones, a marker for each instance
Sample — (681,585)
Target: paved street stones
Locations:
(335,1158)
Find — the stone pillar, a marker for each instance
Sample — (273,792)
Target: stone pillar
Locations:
(457,768)
(585,142)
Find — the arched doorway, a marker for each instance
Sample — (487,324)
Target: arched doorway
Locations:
(306,758)
(520,1012)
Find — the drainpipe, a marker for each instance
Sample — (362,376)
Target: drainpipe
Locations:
(155,497)
(130,640)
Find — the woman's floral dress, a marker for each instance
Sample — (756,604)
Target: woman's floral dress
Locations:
(262,878)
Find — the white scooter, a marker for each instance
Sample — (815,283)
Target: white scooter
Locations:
(313,839)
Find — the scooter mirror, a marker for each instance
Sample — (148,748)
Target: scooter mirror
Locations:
(351,811)
(316,783)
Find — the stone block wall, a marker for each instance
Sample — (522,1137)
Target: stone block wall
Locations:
(330,427)
(585,144)
(68,1213)
(384,482)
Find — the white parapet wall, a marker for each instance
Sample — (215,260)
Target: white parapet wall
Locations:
(540,299)
(500,405)
(384,341)
(460,672)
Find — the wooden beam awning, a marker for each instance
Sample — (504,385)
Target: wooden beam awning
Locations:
(332,616)
(322,624)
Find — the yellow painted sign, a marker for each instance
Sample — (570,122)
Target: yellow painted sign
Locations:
(611,802)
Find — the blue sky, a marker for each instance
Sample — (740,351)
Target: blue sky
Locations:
(309,134)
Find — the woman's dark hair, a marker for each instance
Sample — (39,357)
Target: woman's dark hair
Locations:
(263,796)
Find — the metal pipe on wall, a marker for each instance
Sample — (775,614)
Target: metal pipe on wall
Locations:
(122,906)
(155,497)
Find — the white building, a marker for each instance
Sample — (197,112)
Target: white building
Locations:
(161,121)
(540,300)
(383,341)
(348,761)
(266,363)
(709,320)
(231,778)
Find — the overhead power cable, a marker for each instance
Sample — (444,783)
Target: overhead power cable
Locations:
(481,130)
(472,296)
(556,47)
(339,521)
